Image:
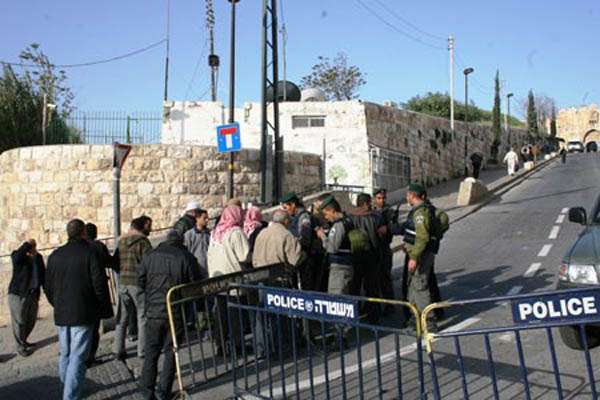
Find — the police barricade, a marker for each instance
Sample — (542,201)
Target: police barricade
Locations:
(311,345)
(517,355)
(198,319)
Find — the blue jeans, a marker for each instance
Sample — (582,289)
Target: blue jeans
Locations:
(74,343)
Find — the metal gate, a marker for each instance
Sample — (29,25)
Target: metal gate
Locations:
(389,169)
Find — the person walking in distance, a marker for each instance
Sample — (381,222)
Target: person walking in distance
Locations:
(170,264)
(130,251)
(476,161)
(76,287)
(106,262)
(24,293)
(511,159)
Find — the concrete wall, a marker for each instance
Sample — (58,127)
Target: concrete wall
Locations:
(42,188)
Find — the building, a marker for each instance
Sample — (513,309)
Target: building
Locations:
(582,124)
(362,144)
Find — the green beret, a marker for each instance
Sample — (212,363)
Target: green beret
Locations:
(416,188)
(290,197)
(326,202)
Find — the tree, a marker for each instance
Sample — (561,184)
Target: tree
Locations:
(21,103)
(496,124)
(337,79)
(532,117)
(543,107)
(553,130)
(438,105)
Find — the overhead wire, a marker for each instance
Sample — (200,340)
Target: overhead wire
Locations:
(196,68)
(91,63)
(407,22)
(396,28)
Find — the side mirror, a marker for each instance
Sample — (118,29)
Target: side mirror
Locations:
(578,215)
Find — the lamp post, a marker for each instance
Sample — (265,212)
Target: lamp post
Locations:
(230,166)
(467,71)
(508,96)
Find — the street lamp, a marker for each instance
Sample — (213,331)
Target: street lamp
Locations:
(231,164)
(508,96)
(467,71)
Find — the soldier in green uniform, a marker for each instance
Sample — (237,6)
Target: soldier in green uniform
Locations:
(420,249)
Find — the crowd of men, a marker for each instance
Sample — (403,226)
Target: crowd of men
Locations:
(328,249)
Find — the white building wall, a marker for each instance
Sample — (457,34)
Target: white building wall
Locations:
(344,135)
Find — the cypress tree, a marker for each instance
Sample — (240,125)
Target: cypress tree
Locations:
(532,119)
(496,124)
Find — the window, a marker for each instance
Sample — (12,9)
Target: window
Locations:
(309,121)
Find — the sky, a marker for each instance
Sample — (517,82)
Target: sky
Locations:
(550,46)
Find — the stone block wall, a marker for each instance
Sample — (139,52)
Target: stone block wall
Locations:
(42,188)
(436,153)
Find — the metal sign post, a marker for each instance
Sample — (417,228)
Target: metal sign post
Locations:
(120,153)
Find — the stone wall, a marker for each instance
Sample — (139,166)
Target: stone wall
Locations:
(436,153)
(42,188)
(581,124)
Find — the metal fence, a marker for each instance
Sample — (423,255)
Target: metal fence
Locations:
(106,127)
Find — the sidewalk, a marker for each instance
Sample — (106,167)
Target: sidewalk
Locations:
(36,377)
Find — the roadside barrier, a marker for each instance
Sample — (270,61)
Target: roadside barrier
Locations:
(300,344)
(197,315)
(531,320)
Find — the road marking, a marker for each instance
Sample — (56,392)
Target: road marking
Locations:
(515,290)
(560,219)
(554,232)
(545,250)
(532,270)
(507,337)
(564,211)
(387,357)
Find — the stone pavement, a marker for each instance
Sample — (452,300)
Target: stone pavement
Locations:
(36,377)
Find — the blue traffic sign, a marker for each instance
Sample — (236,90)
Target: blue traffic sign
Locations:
(228,138)
(580,305)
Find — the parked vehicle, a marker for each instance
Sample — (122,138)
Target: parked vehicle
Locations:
(580,269)
(575,145)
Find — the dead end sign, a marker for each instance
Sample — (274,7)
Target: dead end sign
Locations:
(228,138)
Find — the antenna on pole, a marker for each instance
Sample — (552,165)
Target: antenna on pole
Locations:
(166,95)
(284,37)
(213,59)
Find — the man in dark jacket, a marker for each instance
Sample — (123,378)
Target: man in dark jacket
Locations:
(24,293)
(385,215)
(106,262)
(188,219)
(129,253)
(168,265)
(76,287)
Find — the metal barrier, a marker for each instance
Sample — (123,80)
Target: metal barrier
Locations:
(198,320)
(300,344)
(487,368)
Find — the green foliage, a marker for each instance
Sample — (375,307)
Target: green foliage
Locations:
(438,105)
(532,117)
(337,79)
(496,124)
(337,172)
(21,103)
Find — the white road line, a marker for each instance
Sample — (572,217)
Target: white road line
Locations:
(532,270)
(564,211)
(515,290)
(554,232)
(387,357)
(560,219)
(507,337)
(545,250)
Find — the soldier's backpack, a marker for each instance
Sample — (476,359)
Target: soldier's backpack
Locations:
(440,223)
(359,239)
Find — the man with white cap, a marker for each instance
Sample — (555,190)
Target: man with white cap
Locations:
(188,220)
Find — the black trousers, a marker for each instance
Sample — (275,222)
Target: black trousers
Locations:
(158,339)
(476,169)
(95,342)
(366,277)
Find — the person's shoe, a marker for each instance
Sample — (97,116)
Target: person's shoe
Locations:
(30,345)
(121,357)
(24,351)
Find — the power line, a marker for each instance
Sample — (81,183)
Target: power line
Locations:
(407,22)
(196,68)
(90,63)
(478,85)
(395,28)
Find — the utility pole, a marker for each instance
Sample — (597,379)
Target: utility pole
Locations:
(166,94)
(467,71)
(213,59)
(508,96)
(451,49)
(230,169)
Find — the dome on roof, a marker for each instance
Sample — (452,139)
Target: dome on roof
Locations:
(313,94)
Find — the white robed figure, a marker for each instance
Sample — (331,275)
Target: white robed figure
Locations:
(511,159)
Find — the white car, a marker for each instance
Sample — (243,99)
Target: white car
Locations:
(575,145)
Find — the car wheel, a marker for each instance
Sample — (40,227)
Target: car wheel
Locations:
(571,337)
